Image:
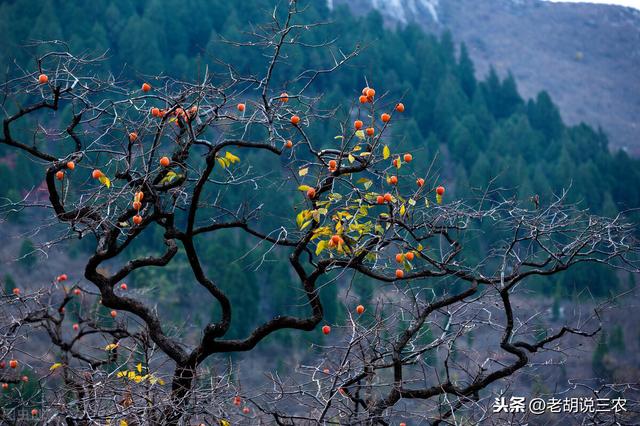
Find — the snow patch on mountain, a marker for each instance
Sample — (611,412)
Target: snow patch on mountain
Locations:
(403,10)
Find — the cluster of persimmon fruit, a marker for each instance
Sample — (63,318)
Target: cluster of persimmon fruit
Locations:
(70,166)
(137,205)
(76,291)
(237,401)
(368,96)
(326,329)
(13,364)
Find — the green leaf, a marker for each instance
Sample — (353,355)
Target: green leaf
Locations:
(367,182)
(169,177)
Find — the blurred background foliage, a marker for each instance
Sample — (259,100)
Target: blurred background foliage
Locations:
(478,129)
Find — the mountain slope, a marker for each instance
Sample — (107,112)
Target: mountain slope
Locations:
(587,56)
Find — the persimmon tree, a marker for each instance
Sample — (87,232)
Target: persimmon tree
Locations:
(122,157)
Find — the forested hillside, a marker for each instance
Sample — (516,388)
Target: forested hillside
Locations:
(478,134)
(585,54)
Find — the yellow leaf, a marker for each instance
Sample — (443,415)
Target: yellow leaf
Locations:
(386,152)
(105,181)
(304,188)
(303,172)
(131,375)
(300,218)
(321,246)
(232,158)
(111,346)
(438,198)
(402,210)
(360,134)
(138,379)
(351,158)
(121,374)
(123,423)
(304,225)
(412,202)
(320,232)
(55,366)
(224,163)
(224,422)
(139,367)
